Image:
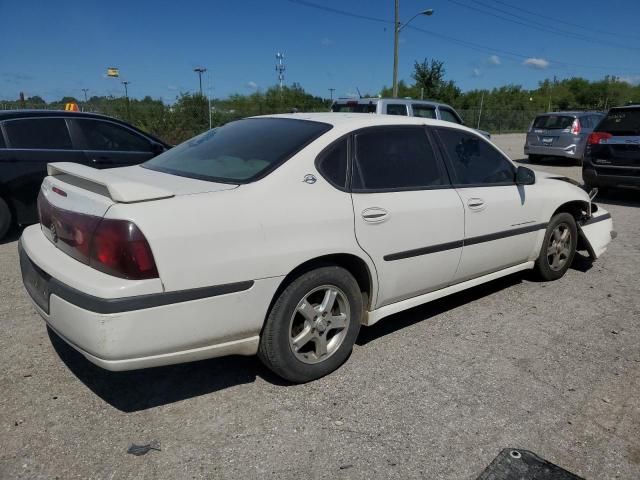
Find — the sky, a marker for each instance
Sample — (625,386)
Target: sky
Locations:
(56,48)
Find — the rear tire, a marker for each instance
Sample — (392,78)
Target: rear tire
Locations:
(5,218)
(312,326)
(558,247)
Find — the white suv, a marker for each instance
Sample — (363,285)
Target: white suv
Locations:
(282,235)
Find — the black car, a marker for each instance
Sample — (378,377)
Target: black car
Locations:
(30,139)
(612,156)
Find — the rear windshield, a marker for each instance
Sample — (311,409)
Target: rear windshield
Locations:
(354,107)
(621,122)
(553,122)
(239,152)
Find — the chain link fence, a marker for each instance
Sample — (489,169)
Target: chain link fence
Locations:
(498,120)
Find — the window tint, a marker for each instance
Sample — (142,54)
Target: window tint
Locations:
(395,158)
(45,133)
(448,116)
(239,151)
(475,161)
(424,111)
(101,135)
(559,122)
(354,107)
(332,163)
(621,121)
(395,109)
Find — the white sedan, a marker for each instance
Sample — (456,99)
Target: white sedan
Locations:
(282,235)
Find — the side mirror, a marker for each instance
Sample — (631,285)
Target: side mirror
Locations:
(157,148)
(525,176)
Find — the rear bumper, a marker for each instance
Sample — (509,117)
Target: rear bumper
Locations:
(124,334)
(595,178)
(571,151)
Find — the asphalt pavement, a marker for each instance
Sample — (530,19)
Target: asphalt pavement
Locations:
(435,392)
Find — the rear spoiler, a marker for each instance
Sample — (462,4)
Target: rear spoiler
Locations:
(120,189)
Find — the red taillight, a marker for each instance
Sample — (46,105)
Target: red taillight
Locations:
(119,248)
(576,127)
(596,137)
(115,247)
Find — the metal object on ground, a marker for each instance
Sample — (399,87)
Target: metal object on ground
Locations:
(139,450)
(516,464)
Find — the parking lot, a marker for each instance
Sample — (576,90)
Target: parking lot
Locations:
(435,392)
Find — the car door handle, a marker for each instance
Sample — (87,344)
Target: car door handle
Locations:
(374,215)
(476,204)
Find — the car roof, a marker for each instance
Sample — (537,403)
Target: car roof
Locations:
(367,100)
(35,113)
(352,121)
(571,112)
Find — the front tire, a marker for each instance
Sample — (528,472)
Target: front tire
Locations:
(5,218)
(312,326)
(558,247)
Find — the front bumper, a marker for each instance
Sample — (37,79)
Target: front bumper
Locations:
(597,232)
(124,334)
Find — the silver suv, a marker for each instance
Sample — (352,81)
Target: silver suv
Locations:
(560,134)
(401,106)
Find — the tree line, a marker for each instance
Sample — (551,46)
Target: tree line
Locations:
(505,108)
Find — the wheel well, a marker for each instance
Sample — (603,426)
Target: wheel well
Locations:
(577,208)
(353,264)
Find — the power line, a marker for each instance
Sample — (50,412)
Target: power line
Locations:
(463,43)
(564,22)
(535,26)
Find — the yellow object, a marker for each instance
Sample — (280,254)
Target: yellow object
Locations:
(113,72)
(72,107)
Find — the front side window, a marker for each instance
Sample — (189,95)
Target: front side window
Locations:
(396,109)
(100,135)
(398,158)
(240,151)
(474,160)
(332,163)
(424,111)
(38,133)
(448,116)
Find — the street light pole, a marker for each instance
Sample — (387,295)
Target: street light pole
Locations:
(85,90)
(200,71)
(397,26)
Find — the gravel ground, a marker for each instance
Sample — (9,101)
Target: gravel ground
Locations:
(435,392)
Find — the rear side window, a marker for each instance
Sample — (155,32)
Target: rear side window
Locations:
(354,107)
(240,151)
(448,116)
(585,122)
(622,121)
(424,111)
(332,163)
(553,122)
(38,133)
(475,161)
(395,158)
(396,109)
(101,135)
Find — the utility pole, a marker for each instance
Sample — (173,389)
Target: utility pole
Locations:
(331,90)
(280,68)
(126,96)
(85,90)
(480,113)
(200,71)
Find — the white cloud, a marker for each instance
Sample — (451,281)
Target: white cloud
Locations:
(326,42)
(538,63)
(476,72)
(631,80)
(494,60)
(252,85)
